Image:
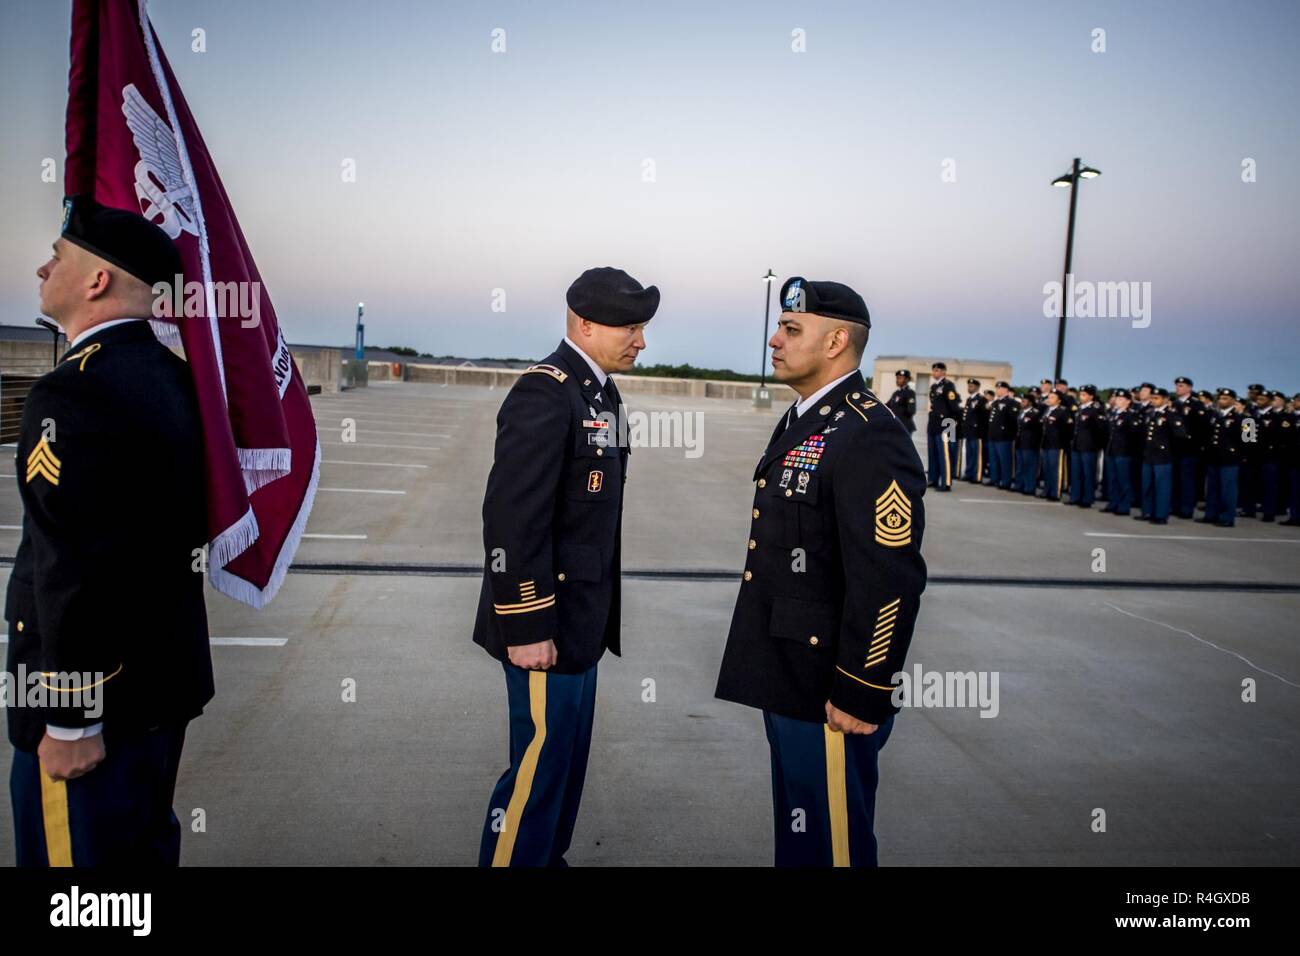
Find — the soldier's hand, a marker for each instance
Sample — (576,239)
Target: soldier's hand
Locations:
(69,759)
(846,723)
(533,657)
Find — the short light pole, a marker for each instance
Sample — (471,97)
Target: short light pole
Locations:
(56,332)
(1070,179)
(361,332)
(762,396)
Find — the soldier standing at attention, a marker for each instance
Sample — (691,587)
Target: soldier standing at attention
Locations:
(1089,441)
(1291,459)
(1123,444)
(903,402)
(1164,426)
(1055,446)
(552,519)
(1187,451)
(974,430)
(832,583)
(105,602)
(1223,461)
(1029,438)
(1002,433)
(941,427)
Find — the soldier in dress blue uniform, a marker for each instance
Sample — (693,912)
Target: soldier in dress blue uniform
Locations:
(832,582)
(903,402)
(1056,422)
(941,428)
(1187,451)
(105,600)
(974,431)
(1003,412)
(1271,440)
(1250,485)
(1090,428)
(1164,425)
(1123,445)
(1029,439)
(1223,462)
(552,520)
(1291,459)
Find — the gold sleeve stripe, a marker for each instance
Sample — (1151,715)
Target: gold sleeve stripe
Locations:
(894,603)
(526,607)
(882,637)
(861,681)
(73,690)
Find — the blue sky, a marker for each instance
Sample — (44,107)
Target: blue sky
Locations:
(479,171)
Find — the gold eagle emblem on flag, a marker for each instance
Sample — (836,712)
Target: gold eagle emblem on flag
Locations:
(43,463)
(893,518)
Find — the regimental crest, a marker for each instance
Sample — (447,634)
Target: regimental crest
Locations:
(893,518)
(42,463)
(165,198)
(794,297)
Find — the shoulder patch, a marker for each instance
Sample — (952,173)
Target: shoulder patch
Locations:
(42,463)
(550,370)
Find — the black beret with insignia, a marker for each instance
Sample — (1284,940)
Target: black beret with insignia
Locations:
(1121,393)
(1182,380)
(1003,384)
(973,381)
(1090,389)
(834,300)
(1162,392)
(1146,385)
(609,296)
(1227,391)
(904,372)
(940,365)
(125,239)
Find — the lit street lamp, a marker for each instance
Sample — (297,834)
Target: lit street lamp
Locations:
(1070,179)
(763,397)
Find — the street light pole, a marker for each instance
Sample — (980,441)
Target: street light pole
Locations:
(1070,179)
(767,313)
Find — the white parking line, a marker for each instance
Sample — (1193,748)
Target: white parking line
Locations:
(1192,537)
(365,491)
(1000,501)
(11,527)
(1179,630)
(371,464)
(371,444)
(380,431)
(248,641)
(337,537)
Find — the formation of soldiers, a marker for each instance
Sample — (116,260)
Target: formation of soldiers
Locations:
(1145,452)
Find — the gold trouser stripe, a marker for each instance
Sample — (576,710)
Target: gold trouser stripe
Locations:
(527,768)
(979,468)
(54,811)
(1060,472)
(837,796)
(947,470)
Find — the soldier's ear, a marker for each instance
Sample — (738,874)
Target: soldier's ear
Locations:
(98,281)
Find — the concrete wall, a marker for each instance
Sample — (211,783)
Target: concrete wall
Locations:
(323,367)
(627,384)
(29,357)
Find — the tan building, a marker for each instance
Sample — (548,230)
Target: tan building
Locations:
(959,370)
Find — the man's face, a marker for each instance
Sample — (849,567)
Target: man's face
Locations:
(937,373)
(1279,403)
(799,346)
(1158,400)
(615,347)
(1183,389)
(1144,394)
(971,388)
(1225,401)
(1120,402)
(900,381)
(1086,397)
(1053,398)
(63,280)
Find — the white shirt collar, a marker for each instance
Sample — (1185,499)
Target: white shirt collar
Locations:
(596,369)
(94,329)
(811,400)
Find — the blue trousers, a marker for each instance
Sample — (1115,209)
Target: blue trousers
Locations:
(534,805)
(1000,463)
(1157,490)
(1026,470)
(1293,492)
(940,459)
(823,792)
(118,815)
(1053,472)
(974,470)
(1083,477)
(1120,476)
(1268,488)
(1221,494)
(1185,486)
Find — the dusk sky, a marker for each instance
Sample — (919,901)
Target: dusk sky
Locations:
(479,171)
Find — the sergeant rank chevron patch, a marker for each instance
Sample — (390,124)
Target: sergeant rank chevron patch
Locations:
(893,518)
(42,462)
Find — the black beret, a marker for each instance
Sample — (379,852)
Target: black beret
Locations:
(1163,392)
(832,299)
(1253,388)
(972,381)
(1003,384)
(1204,393)
(126,239)
(1147,385)
(1182,380)
(609,296)
(904,372)
(1227,391)
(1121,393)
(939,365)
(1090,389)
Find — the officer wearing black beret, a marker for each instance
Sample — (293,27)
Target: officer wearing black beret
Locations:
(1090,428)
(1223,461)
(1163,426)
(1188,449)
(903,402)
(107,626)
(832,581)
(941,428)
(552,519)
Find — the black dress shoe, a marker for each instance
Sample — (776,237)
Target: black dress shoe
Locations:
(1291,523)
(1160,521)
(1268,518)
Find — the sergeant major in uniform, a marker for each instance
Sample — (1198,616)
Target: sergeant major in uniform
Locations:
(552,519)
(105,598)
(832,582)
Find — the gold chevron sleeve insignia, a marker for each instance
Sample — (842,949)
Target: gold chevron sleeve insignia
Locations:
(550,370)
(893,518)
(42,463)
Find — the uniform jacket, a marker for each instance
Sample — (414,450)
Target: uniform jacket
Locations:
(1029,428)
(1055,424)
(1090,428)
(108,578)
(944,405)
(975,417)
(833,575)
(552,516)
(1196,421)
(1164,425)
(903,404)
(1225,438)
(1125,440)
(1003,413)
